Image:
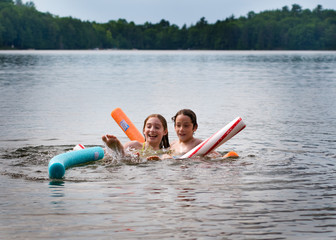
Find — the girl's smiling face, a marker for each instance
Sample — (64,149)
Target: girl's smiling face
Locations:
(154,132)
(184,128)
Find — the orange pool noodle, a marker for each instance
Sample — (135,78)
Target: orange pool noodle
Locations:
(231,154)
(126,125)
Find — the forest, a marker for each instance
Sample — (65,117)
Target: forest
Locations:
(22,26)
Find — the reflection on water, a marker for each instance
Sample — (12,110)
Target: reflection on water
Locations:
(281,187)
(57,188)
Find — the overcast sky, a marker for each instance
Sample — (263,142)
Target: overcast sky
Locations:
(177,12)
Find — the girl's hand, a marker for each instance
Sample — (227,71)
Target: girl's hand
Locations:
(153,158)
(113,142)
(166,156)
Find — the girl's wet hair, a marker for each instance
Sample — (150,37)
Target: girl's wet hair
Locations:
(165,141)
(189,113)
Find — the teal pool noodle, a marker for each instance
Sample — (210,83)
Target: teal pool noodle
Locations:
(59,163)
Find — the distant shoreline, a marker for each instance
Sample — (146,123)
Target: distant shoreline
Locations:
(277,30)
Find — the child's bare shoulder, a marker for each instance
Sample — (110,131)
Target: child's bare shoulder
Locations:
(133,145)
(197,141)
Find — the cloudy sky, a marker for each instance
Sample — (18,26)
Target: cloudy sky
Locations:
(177,12)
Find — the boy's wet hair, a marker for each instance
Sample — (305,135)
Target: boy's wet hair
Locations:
(189,113)
(165,140)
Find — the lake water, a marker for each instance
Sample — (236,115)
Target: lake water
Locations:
(282,186)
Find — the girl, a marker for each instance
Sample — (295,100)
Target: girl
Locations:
(155,131)
(185,124)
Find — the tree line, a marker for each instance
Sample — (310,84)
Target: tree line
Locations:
(23,27)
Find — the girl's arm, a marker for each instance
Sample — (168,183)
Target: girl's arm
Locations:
(113,143)
(133,145)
